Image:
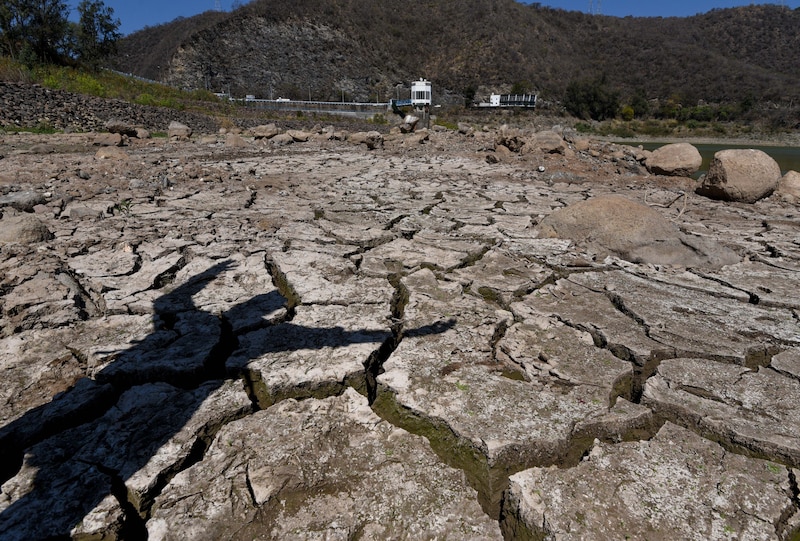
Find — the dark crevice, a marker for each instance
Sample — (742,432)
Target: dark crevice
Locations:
(374,364)
(394,221)
(285,288)
(643,368)
(221,352)
(784,530)
(195,456)
(730,441)
(472,259)
(619,303)
(168,276)
(251,200)
(752,297)
(491,480)
(252,381)
(11,458)
(793,486)
(774,264)
(514,371)
(89,303)
(250,490)
(133,527)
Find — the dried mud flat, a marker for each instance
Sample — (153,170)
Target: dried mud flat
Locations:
(203,340)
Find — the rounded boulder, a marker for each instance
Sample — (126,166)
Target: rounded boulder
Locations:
(675,160)
(23,230)
(789,187)
(740,175)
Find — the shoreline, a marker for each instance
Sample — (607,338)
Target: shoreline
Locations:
(787,140)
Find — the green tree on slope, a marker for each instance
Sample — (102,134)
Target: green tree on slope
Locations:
(96,33)
(39,31)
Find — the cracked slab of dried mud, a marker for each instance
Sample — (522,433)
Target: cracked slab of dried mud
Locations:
(323,341)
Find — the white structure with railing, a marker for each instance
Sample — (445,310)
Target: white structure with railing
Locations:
(421,93)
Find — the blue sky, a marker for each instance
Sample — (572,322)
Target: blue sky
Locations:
(135,14)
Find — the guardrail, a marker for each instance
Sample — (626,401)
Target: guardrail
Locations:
(359,109)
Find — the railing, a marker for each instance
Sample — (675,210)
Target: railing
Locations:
(316,106)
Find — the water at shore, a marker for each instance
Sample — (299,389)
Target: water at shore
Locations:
(788,158)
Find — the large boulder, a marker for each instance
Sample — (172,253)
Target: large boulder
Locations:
(512,139)
(281,139)
(109,140)
(466,129)
(23,229)
(299,136)
(409,124)
(179,131)
(546,141)
(372,139)
(265,131)
(121,127)
(789,187)
(111,153)
(677,160)
(741,175)
(24,201)
(233,140)
(615,225)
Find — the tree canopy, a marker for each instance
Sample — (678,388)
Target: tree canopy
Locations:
(39,31)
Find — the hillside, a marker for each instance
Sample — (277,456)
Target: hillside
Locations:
(362,49)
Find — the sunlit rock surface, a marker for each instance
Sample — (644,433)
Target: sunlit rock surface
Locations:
(383,338)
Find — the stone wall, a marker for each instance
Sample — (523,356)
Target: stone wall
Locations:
(24,105)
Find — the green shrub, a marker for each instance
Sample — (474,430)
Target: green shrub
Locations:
(378,118)
(627,113)
(145,99)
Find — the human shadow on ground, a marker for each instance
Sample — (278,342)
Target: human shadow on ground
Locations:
(82,450)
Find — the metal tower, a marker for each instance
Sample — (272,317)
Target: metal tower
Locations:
(594,7)
(217,5)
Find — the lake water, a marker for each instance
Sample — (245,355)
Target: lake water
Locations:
(788,158)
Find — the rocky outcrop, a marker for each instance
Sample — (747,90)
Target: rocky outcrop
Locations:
(745,175)
(24,201)
(678,159)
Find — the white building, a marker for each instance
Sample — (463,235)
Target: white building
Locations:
(421,93)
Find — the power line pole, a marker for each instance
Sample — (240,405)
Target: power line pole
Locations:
(594,7)
(217,5)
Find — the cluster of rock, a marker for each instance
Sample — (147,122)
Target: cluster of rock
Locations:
(224,337)
(742,175)
(25,106)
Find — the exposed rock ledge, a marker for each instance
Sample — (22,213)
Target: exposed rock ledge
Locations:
(211,341)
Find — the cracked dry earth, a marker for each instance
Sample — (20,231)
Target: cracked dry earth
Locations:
(325,342)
